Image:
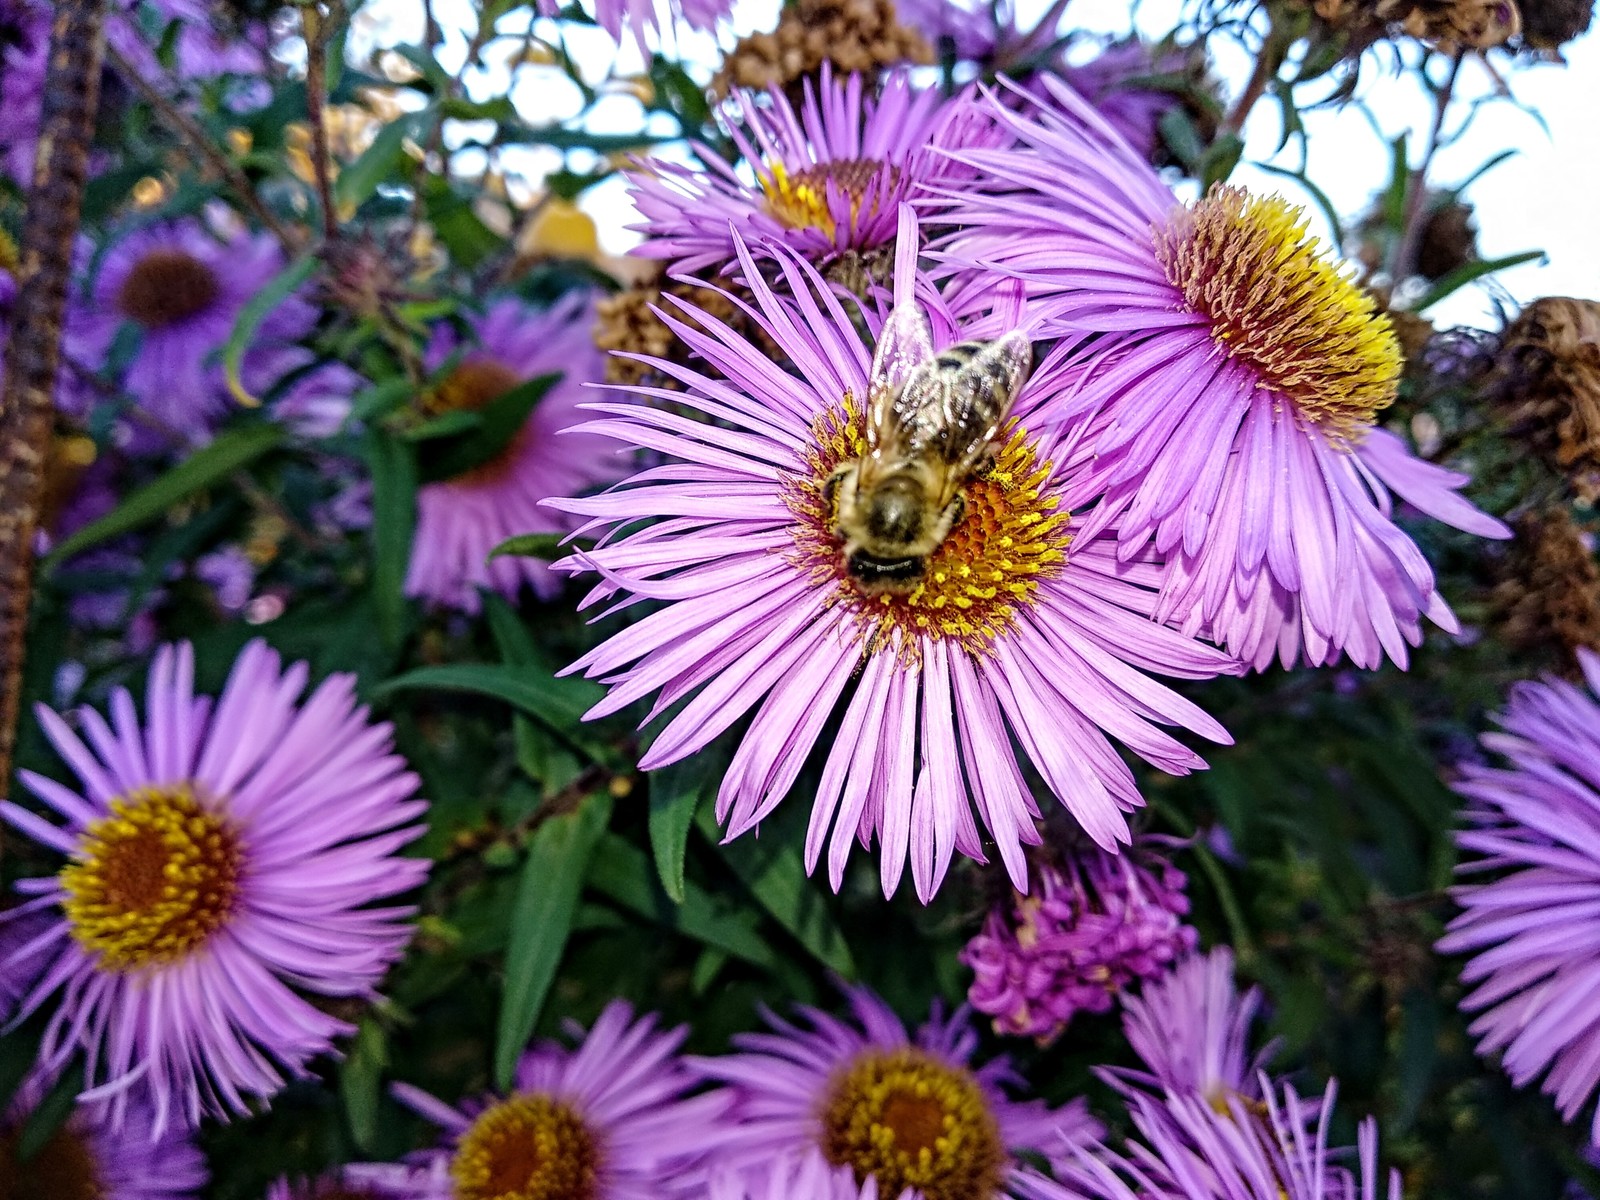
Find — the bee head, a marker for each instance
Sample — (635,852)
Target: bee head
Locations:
(897,511)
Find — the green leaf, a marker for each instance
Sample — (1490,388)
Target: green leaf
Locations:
(498,422)
(517,648)
(1220,158)
(393,465)
(361,1082)
(547,546)
(676,792)
(229,452)
(1467,272)
(558,703)
(541,919)
(383,160)
(249,321)
(1181,137)
(382,398)
(458,227)
(776,876)
(51,1113)
(621,873)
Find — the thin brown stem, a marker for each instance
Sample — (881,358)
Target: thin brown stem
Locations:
(1269,59)
(196,138)
(319,27)
(33,354)
(1404,260)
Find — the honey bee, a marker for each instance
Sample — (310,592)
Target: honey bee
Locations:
(931,426)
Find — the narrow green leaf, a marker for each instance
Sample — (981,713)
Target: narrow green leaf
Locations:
(620,872)
(249,321)
(393,466)
(1220,158)
(361,1082)
(776,877)
(541,919)
(497,423)
(208,465)
(676,792)
(382,398)
(547,546)
(1181,137)
(1468,272)
(383,160)
(559,703)
(458,227)
(517,648)
(51,1113)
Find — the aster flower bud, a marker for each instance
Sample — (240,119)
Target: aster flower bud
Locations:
(1091,924)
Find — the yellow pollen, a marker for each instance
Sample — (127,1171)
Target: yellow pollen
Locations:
(1283,306)
(1012,534)
(913,1121)
(63,1169)
(529,1147)
(166,287)
(800,200)
(154,880)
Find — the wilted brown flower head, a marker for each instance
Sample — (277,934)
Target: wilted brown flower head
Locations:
(1449,24)
(1550,24)
(852,35)
(1449,238)
(1548,594)
(1548,386)
(628,322)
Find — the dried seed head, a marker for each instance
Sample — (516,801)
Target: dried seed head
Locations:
(1548,386)
(852,35)
(1548,594)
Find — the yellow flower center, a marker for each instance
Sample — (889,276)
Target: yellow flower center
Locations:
(529,1147)
(165,287)
(1012,534)
(154,880)
(63,1169)
(1278,303)
(913,1121)
(800,200)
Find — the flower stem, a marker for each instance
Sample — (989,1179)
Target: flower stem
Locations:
(33,355)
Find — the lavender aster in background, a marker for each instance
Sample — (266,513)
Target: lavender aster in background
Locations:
(1187,1149)
(1192,1030)
(608,1120)
(461,519)
(1531,932)
(804,1177)
(89,1157)
(1238,372)
(182,287)
(1090,925)
(1022,627)
(906,1111)
(1113,84)
(648,20)
(223,861)
(829,178)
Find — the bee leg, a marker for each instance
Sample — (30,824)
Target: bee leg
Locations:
(830,491)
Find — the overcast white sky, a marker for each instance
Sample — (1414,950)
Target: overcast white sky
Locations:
(1547,197)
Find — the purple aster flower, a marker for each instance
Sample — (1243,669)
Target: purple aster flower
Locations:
(1237,372)
(1530,931)
(805,1177)
(223,857)
(183,288)
(313,399)
(460,520)
(404,1183)
(910,1112)
(609,1120)
(1090,925)
(1020,626)
(1192,1030)
(1187,1149)
(90,1155)
(829,180)
(24,57)
(230,575)
(980,32)
(647,17)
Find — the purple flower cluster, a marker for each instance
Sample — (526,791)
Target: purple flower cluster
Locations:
(1090,926)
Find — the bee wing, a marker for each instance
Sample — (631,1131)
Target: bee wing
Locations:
(904,343)
(976,400)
